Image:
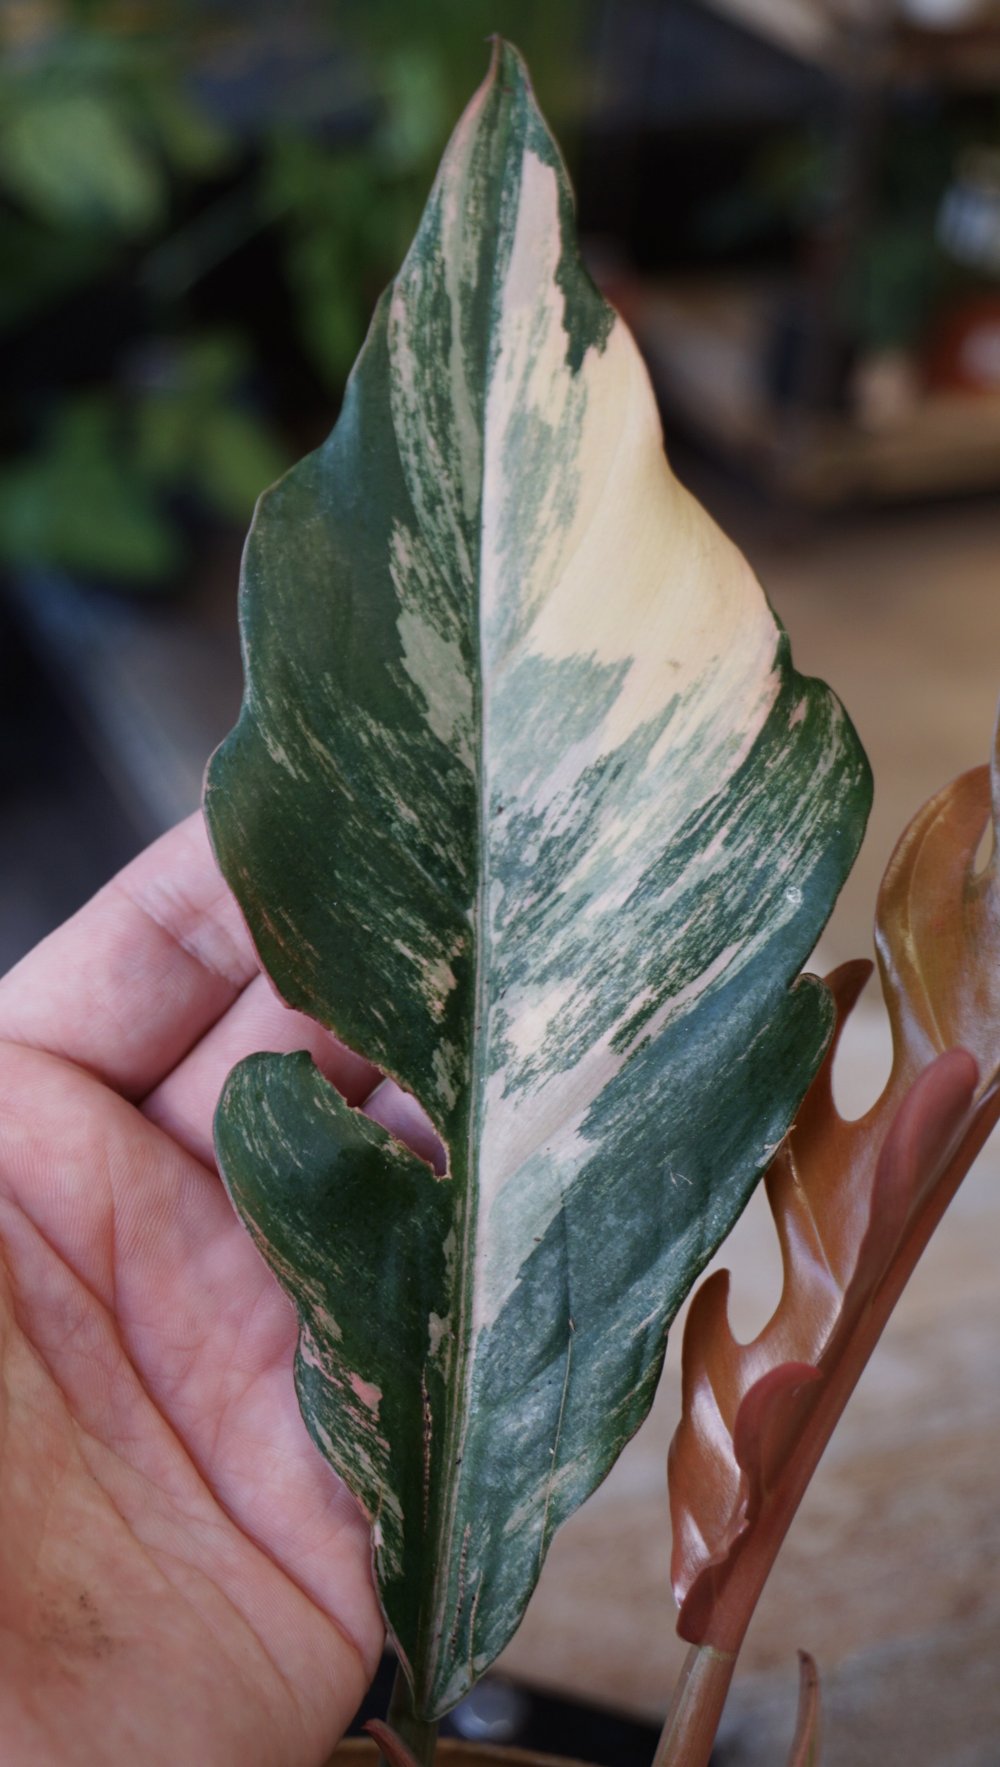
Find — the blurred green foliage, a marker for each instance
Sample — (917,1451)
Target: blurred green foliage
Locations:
(95,494)
(145,147)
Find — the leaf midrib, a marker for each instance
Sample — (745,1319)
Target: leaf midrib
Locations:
(458,1405)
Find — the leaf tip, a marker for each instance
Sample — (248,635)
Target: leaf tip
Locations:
(806,1742)
(506,62)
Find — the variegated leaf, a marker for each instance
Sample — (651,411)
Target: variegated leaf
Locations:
(527,803)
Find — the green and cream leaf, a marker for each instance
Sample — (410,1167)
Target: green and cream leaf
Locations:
(527,803)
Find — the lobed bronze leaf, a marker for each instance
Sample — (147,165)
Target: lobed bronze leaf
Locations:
(854,1204)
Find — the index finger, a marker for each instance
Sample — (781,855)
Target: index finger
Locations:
(131,983)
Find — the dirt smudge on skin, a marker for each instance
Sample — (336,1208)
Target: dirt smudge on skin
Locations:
(73,1627)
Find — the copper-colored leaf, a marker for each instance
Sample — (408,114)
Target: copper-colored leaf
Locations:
(391,1747)
(854,1203)
(806,1742)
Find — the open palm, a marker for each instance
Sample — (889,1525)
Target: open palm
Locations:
(182,1578)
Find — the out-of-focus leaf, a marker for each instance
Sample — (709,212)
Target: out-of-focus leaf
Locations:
(194,430)
(40,266)
(192,142)
(854,1204)
(163,438)
(340,214)
(328,309)
(416,103)
(81,503)
(237,458)
(211,364)
(527,801)
(72,158)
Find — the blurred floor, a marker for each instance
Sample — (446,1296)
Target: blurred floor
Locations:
(900,612)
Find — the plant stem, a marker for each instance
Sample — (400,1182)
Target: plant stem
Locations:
(696,1708)
(420,1738)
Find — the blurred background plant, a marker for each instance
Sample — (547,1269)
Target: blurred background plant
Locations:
(198,205)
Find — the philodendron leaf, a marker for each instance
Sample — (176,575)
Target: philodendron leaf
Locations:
(854,1203)
(527,803)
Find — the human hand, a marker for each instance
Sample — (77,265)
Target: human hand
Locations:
(182,1577)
